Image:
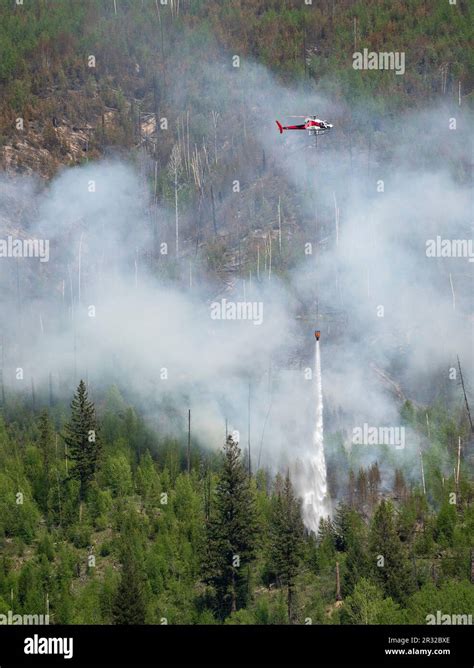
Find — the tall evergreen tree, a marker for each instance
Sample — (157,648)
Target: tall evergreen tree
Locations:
(81,437)
(286,531)
(129,604)
(347,527)
(352,538)
(357,567)
(231,534)
(326,542)
(389,563)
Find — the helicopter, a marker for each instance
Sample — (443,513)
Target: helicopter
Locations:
(312,124)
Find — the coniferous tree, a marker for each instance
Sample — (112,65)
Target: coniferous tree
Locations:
(129,604)
(390,565)
(231,534)
(326,533)
(351,538)
(287,531)
(357,566)
(82,440)
(326,541)
(346,525)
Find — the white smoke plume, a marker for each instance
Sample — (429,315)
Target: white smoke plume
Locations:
(155,337)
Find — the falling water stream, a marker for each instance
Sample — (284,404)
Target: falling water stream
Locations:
(316,502)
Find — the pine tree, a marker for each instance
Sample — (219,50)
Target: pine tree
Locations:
(344,526)
(286,531)
(357,567)
(129,605)
(390,565)
(81,438)
(130,599)
(326,542)
(326,533)
(231,534)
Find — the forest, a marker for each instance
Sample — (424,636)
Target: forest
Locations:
(106,522)
(108,518)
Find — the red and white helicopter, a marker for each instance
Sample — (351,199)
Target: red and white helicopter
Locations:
(313,125)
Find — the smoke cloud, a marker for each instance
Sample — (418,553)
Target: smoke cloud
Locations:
(357,212)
